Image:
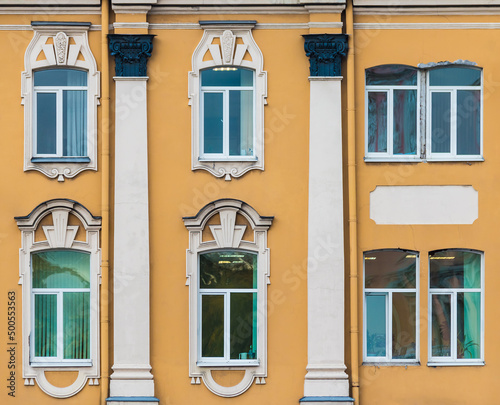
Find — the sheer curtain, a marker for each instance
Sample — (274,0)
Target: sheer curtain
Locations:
(75,123)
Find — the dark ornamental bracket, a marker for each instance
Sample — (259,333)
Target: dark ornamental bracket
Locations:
(325,52)
(131,53)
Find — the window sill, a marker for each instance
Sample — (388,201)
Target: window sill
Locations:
(229,159)
(62,365)
(393,159)
(452,364)
(391,363)
(54,159)
(229,365)
(456,159)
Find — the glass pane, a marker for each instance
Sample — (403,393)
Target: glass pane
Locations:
(376,326)
(441,325)
(76,330)
(391,75)
(390,269)
(75,123)
(227,76)
(441,110)
(405,122)
(45,325)
(46,123)
(228,269)
(212,326)
(377,121)
(468,122)
(455,269)
(213,122)
(455,76)
(241,123)
(469,325)
(60,77)
(61,269)
(404,335)
(243,330)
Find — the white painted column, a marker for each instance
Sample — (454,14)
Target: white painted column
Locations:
(326,381)
(131,370)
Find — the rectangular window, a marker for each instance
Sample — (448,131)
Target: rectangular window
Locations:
(61,307)
(391,309)
(456,307)
(60,113)
(395,99)
(227,110)
(228,299)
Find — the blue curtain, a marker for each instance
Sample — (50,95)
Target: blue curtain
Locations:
(405,122)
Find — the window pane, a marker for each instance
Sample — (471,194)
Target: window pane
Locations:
(61,269)
(377,121)
(441,325)
(213,122)
(45,325)
(391,75)
(60,77)
(227,76)
(376,326)
(468,122)
(243,330)
(405,122)
(228,269)
(390,269)
(469,325)
(46,123)
(441,110)
(212,326)
(403,326)
(241,123)
(455,269)
(75,123)
(76,314)
(455,76)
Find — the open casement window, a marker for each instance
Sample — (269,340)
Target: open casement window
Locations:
(228,274)
(432,113)
(456,307)
(454,95)
(392,96)
(59,272)
(390,306)
(227,91)
(60,91)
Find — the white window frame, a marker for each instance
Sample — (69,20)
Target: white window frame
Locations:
(58,91)
(227,236)
(389,155)
(59,236)
(453,360)
(50,48)
(424,118)
(387,293)
(229,53)
(452,90)
(224,90)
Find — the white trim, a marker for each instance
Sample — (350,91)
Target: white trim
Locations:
(69,59)
(227,236)
(131,25)
(258,26)
(59,237)
(427,26)
(426,11)
(433,3)
(231,54)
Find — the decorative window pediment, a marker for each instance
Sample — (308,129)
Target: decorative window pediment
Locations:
(60,272)
(60,94)
(227,274)
(227,92)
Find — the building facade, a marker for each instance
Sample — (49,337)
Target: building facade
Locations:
(255,201)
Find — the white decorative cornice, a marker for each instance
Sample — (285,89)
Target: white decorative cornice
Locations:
(427,26)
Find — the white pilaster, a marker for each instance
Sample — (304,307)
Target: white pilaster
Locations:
(326,380)
(131,370)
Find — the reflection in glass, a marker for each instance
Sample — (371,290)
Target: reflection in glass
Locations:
(455,76)
(441,122)
(240,123)
(455,269)
(404,325)
(377,121)
(228,269)
(405,122)
(212,327)
(468,325)
(46,123)
(376,325)
(441,325)
(468,122)
(391,75)
(61,269)
(390,269)
(243,330)
(213,122)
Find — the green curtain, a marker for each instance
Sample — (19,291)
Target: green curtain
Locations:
(76,318)
(45,325)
